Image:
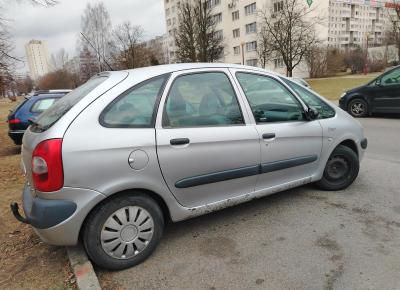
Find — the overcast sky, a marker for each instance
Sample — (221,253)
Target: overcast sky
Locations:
(60,25)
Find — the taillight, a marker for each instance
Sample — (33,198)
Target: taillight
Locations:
(47,169)
(14,121)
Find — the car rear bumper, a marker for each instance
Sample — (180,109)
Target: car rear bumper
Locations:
(57,220)
(16,136)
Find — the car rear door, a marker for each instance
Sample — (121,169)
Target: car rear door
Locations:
(387,93)
(207,150)
(290,144)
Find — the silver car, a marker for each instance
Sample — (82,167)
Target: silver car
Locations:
(116,159)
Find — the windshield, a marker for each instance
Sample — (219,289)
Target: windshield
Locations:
(56,111)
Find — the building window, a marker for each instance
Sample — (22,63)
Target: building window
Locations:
(167,11)
(250,9)
(278,6)
(168,22)
(251,46)
(251,62)
(236,33)
(236,50)
(235,15)
(218,34)
(217,18)
(251,28)
(212,3)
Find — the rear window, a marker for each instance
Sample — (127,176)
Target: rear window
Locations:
(42,105)
(60,108)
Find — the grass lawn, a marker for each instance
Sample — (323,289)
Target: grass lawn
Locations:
(332,88)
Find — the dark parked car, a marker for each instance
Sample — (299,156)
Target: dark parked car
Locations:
(382,95)
(31,107)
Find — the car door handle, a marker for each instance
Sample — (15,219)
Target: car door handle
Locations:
(268,135)
(179,141)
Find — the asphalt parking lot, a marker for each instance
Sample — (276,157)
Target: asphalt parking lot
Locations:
(298,239)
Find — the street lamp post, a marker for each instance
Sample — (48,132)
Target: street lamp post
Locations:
(366,56)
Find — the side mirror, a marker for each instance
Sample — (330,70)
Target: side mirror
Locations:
(378,82)
(312,113)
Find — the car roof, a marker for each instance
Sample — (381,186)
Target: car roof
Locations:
(140,74)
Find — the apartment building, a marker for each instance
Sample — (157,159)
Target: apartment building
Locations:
(357,23)
(158,46)
(341,24)
(37,56)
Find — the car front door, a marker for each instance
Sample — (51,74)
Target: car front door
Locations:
(387,92)
(290,144)
(206,151)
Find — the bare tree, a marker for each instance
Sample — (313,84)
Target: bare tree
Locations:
(45,2)
(96,26)
(60,59)
(393,35)
(288,32)
(185,35)
(196,36)
(59,79)
(39,2)
(263,48)
(127,38)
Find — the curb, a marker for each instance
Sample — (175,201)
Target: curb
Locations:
(86,278)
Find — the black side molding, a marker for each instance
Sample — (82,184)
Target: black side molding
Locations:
(244,171)
(218,176)
(284,164)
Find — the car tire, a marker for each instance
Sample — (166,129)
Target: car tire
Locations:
(340,170)
(358,108)
(123,231)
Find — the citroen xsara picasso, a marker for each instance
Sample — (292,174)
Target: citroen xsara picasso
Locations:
(116,158)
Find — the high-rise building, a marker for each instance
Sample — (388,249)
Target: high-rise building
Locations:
(158,47)
(38,58)
(344,24)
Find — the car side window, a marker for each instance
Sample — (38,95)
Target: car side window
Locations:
(269,100)
(42,105)
(136,107)
(325,111)
(202,99)
(391,78)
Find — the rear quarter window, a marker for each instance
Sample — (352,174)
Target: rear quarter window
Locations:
(135,108)
(60,108)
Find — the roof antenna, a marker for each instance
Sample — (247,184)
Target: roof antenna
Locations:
(98,53)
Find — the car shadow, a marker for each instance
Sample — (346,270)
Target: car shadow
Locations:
(385,116)
(10,151)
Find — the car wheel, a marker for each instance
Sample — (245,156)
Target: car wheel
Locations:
(358,108)
(341,169)
(123,231)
